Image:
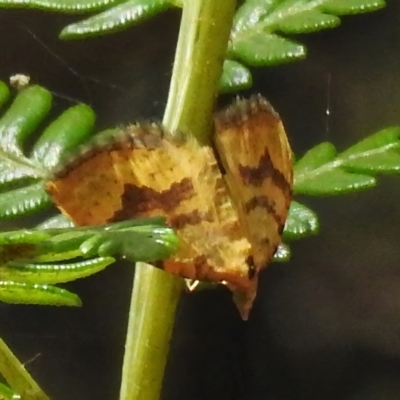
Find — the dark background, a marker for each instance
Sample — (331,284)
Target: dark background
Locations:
(326,325)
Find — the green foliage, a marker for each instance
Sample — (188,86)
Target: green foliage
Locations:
(235,77)
(31,293)
(119,17)
(65,6)
(30,260)
(4,93)
(282,253)
(27,257)
(47,273)
(58,221)
(322,171)
(7,394)
(300,223)
(21,175)
(258,24)
(256,37)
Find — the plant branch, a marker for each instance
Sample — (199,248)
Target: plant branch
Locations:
(202,43)
(203,39)
(154,299)
(17,376)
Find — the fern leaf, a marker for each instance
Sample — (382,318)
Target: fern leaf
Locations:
(70,129)
(66,6)
(121,16)
(57,221)
(346,7)
(7,394)
(301,222)
(4,93)
(53,273)
(23,201)
(21,174)
(235,76)
(135,240)
(33,259)
(28,258)
(282,253)
(262,49)
(257,24)
(256,35)
(27,111)
(32,293)
(307,21)
(322,171)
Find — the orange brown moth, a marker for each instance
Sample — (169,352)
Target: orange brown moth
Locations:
(229,223)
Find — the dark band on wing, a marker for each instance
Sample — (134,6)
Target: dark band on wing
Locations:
(138,200)
(265,169)
(263,202)
(181,220)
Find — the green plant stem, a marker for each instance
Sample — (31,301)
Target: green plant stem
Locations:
(149,329)
(17,376)
(203,39)
(202,43)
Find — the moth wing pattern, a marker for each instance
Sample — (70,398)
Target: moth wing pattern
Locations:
(255,153)
(84,189)
(144,171)
(229,225)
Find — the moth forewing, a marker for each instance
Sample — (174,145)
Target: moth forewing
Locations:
(255,153)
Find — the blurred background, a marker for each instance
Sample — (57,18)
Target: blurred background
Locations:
(327,323)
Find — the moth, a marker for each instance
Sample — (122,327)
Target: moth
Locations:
(227,202)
